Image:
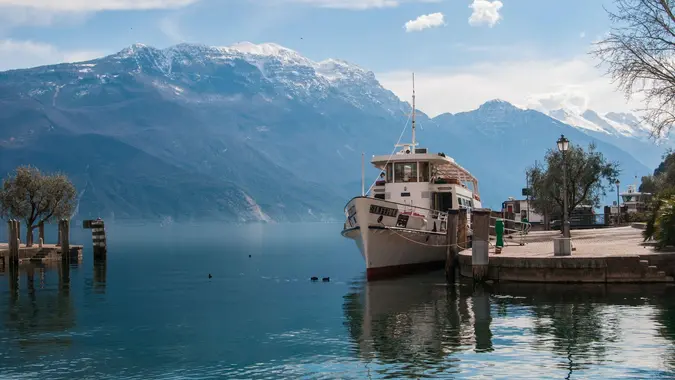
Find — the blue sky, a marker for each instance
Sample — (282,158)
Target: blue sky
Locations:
(529,52)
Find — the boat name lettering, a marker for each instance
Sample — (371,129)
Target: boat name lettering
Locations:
(386,211)
(351,211)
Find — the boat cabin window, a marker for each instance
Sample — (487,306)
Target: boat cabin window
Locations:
(390,173)
(405,171)
(424,171)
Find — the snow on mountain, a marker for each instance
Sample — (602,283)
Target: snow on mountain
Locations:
(614,124)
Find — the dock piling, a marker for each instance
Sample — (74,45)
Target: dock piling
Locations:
(65,239)
(98,237)
(13,242)
(451,242)
(480,245)
(462,229)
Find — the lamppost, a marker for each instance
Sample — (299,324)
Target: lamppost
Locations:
(618,203)
(563,145)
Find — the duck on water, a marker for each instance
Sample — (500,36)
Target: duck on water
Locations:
(400,223)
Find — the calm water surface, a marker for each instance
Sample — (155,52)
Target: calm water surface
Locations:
(152,313)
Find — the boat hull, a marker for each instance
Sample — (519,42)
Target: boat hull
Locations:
(389,251)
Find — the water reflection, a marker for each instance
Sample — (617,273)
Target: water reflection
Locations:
(414,324)
(414,327)
(38,317)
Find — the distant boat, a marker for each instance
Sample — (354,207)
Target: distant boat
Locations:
(400,226)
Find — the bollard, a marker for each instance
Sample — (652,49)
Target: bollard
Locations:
(462,229)
(480,245)
(499,232)
(451,242)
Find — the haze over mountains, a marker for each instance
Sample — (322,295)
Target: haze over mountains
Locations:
(259,133)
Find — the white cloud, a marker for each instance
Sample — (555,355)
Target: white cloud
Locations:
(171,28)
(23,54)
(95,5)
(533,84)
(360,4)
(424,22)
(485,12)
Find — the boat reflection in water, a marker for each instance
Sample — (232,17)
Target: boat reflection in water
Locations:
(411,326)
(419,327)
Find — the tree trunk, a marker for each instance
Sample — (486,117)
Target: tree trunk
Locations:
(29,235)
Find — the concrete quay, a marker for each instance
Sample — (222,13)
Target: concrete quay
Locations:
(607,255)
(48,252)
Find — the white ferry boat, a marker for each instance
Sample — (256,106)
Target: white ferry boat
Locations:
(400,224)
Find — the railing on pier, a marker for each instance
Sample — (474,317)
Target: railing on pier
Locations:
(511,226)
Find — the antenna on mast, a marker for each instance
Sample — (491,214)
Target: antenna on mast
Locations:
(413,111)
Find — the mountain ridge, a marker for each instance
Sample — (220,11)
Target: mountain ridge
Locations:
(279,133)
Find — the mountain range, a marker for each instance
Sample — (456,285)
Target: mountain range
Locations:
(258,133)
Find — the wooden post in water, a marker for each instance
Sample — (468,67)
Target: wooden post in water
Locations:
(481,245)
(65,239)
(462,229)
(98,237)
(13,242)
(58,234)
(451,242)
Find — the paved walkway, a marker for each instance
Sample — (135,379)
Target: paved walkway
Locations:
(602,242)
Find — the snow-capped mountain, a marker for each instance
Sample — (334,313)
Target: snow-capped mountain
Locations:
(246,133)
(621,129)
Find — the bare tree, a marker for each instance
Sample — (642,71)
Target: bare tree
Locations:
(36,198)
(639,53)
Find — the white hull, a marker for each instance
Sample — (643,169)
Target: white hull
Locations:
(388,250)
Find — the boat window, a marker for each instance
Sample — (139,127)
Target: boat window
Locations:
(390,174)
(424,171)
(405,171)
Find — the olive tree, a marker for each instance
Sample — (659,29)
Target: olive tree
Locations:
(36,198)
(589,175)
(638,54)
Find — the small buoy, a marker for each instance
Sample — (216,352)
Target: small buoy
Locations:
(314,278)
(210,275)
(325,279)
(249,255)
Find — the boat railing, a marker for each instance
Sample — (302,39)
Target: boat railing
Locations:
(406,216)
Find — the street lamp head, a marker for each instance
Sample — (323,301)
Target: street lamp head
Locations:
(617,182)
(563,143)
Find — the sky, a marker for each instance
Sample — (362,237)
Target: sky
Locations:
(532,53)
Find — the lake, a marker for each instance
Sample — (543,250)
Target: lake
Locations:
(152,312)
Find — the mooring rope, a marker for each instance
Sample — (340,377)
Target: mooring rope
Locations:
(457,245)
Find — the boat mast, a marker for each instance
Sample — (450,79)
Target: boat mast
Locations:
(413,112)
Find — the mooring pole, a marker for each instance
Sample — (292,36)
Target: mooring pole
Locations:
(98,237)
(462,228)
(65,239)
(13,242)
(480,244)
(451,242)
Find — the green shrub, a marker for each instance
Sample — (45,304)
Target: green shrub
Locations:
(638,217)
(665,223)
